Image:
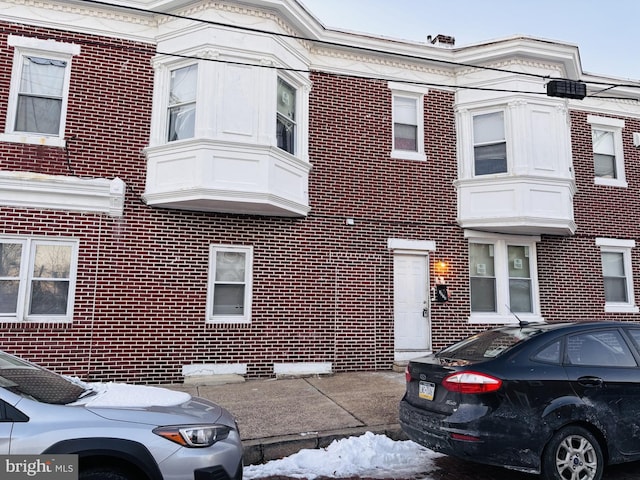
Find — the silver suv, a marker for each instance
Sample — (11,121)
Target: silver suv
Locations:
(42,412)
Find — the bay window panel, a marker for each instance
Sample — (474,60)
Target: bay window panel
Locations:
(182,103)
(488,128)
(286,117)
(490,146)
(490,159)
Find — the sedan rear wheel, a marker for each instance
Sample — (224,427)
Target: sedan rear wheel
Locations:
(573,453)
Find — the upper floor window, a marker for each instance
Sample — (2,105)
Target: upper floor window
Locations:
(617,274)
(286,117)
(405,124)
(182,103)
(608,153)
(503,279)
(37,279)
(408,121)
(39,92)
(230,284)
(489,143)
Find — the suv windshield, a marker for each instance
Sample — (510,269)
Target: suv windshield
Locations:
(29,380)
(489,344)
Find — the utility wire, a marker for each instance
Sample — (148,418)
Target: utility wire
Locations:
(354,47)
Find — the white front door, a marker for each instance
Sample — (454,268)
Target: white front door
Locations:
(411,306)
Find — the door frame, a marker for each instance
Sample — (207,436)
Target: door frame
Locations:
(400,246)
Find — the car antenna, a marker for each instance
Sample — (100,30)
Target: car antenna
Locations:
(523,323)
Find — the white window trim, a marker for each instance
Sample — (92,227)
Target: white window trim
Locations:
(24,288)
(416,92)
(624,247)
(248,292)
(26,46)
(615,126)
(503,315)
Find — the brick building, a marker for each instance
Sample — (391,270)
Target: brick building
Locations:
(230,187)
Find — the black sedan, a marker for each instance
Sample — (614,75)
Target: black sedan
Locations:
(561,400)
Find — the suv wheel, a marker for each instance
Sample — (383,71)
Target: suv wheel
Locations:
(102,474)
(573,453)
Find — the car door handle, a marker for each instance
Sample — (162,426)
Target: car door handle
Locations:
(590,381)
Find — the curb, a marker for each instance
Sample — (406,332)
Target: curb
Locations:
(265,449)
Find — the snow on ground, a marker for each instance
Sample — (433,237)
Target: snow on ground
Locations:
(369,455)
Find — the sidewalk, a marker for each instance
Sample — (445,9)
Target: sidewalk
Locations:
(278,417)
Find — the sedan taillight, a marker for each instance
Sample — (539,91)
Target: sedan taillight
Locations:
(471,382)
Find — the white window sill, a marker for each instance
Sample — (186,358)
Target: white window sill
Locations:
(408,155)
(610,182)
(32,139)
(509,319)
(620,308)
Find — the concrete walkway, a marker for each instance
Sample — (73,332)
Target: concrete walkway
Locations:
(278,417)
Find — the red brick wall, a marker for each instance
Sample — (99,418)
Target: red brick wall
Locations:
(323,290)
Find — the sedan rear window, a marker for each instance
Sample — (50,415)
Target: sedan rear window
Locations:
(488,345)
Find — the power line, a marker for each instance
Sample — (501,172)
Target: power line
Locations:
(355,47)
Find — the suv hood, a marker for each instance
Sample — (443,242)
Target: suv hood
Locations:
(147,404)
(194,411)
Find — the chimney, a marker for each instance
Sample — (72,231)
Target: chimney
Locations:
(442,40)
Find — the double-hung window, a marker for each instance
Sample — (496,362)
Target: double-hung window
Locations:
(183,85)
(37,279)
(502,277)
(489,143)
(407,121)
(286,117)
(617,275)
(39,92)
(230,284)
(608,153)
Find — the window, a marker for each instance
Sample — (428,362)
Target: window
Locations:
(182,103)
(405,124)
(608,154)
(602,348)
(489,144)
(39,91)
(37,279)
(286,117)
(230,284)
(502,278)
(616,272)
(407,121)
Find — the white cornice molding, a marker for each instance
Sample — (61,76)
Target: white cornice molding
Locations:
(57,192)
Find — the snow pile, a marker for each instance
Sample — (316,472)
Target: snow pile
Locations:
(370,455)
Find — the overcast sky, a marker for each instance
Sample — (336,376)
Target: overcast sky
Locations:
(606,32)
